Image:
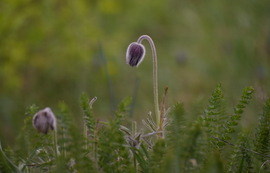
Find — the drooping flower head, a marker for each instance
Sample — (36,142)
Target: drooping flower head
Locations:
(44,120)
(135,54)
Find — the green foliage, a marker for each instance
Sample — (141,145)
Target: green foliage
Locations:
(238,111)
(215,116)
(73,154)
(50,50)
(262,139)
(141,156)
(57,49)
(26,136)
(113,154)
(176,127)
(241,158)
(201,145)
(63,129)
(6,165)
(122,110)
(88,113)
(262,135)
(217,123)
(176,131)
(185,141)
(214,162)
(157,157)
(194,148)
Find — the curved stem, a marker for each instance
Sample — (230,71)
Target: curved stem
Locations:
(155,80)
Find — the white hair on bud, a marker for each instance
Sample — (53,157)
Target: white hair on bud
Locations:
(135,54)
(44,120)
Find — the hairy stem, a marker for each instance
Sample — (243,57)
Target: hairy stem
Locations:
(155,80)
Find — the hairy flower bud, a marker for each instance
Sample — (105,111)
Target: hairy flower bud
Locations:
(44,120)
(135,54)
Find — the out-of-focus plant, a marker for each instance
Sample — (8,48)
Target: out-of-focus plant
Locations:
(200,145)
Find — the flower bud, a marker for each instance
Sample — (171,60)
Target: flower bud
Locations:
(135,54)
(44,120)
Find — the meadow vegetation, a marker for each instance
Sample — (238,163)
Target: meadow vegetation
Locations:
(213,63)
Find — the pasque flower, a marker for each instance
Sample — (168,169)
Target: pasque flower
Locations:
(44,120)
(135,54)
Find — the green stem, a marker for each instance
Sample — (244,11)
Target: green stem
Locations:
(55,143)
(135,163)
(155,80)
(85,136)
(64,145)
(13,166)
(134,127)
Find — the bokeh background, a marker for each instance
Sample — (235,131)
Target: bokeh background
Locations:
(53,50)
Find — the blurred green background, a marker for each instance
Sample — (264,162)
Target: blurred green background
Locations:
(53,50)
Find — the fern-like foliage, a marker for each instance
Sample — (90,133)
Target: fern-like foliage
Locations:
(217,123)
(65,141)
(175,137)
(262,141)
(194,148)
(262,136)
(26,137)
(157,157)
(112,151)
(7,165)
(241,158)
(238,111)
(214,117)
(175,130)
(74,155)
(89,127)
(86,106)
(184,143)
(63,129)
(79,159)
(188,146)
(122,111)
(218,126)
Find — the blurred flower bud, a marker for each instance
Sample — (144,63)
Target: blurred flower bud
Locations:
(135,54)
(44,120)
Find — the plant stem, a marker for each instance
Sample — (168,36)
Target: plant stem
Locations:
(134,127)
(4,156)
(85,135)
(95,143)
(135,163)
(155,80)
(55,143)
(255,152)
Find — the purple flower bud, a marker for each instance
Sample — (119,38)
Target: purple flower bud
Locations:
(44,120)
(135,54)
